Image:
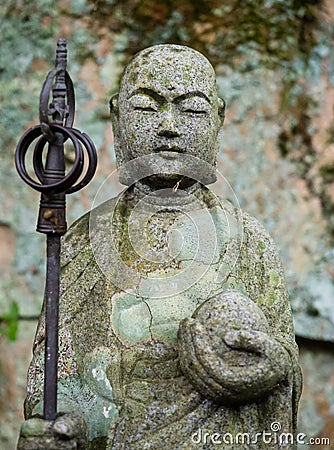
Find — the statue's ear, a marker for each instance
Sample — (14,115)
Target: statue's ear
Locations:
(113,104)
(114,112)
(221,110)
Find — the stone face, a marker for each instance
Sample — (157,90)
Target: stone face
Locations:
(149,116)
(174,314)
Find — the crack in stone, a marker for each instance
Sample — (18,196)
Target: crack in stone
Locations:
(151,317)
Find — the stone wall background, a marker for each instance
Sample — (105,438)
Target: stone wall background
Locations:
(275,66)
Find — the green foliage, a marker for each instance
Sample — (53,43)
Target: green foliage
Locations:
(221,30)
(327,172)
(26,31)
(9,322)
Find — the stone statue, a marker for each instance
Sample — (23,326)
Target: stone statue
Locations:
(175,326)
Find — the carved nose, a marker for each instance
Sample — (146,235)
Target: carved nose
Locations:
(168,126)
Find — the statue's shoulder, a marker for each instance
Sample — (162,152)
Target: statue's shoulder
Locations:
(261,255)
(78,237)
(258,238)
(254,237)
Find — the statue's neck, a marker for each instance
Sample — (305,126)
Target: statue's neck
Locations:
(188,198)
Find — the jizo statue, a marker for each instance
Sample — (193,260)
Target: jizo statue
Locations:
(175,326)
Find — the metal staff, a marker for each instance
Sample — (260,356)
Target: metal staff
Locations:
(54,184)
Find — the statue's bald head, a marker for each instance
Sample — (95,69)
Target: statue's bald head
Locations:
(170,67)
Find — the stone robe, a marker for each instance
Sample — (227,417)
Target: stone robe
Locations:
(123,296)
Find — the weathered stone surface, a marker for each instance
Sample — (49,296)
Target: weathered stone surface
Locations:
(14,362)
(220,331)
(62,434)
(316,414)
(168,251)
(268,102)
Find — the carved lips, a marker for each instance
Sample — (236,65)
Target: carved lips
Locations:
(169,151)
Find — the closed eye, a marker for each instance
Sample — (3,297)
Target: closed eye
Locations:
(145,108)
(143,103)
(195,111)
(194,105)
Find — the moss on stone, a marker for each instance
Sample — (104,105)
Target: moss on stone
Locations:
(271,27)
(274,279)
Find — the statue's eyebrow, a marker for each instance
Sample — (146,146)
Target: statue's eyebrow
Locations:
(160,99)
(191,94)
(150,92)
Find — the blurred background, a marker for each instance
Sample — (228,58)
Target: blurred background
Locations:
(274,61)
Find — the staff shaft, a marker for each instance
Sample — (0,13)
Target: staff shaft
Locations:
(51,326)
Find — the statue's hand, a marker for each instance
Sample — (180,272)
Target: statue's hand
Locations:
(230,366)
(67,432)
